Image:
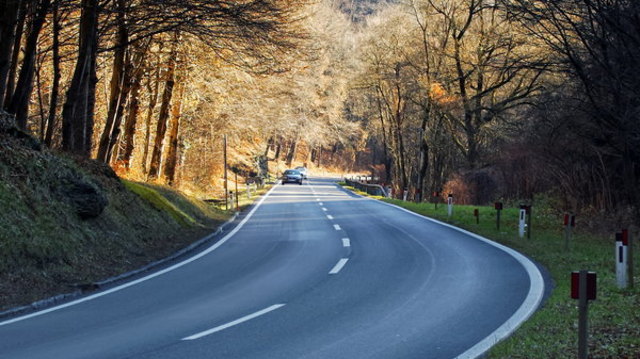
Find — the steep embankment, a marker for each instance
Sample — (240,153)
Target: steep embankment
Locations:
(66,222)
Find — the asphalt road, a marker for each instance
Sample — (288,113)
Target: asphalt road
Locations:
(312,272)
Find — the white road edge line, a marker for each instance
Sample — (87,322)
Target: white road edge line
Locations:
(346,242)
(338,267)
(234,323)
(151,276)
(526,310)
(337,227)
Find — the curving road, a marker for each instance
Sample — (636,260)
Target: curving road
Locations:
(311,272)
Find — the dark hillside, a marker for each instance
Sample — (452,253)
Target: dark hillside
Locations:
(65,222)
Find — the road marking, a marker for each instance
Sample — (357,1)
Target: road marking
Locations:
(330,216)
(346,242)
(337,227)
(526,310)
(234,323)
(338,267)
(199,255)
(322,204)
(324,209)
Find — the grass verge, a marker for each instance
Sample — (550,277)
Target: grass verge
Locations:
(160,202)
(614,318)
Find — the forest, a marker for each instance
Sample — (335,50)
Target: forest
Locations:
(487,99)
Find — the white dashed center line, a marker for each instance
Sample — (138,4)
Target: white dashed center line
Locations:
(235,322)
(338,267)
(346,242)
(330,216)
(337,227)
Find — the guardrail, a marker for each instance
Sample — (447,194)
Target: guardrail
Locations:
(372,189)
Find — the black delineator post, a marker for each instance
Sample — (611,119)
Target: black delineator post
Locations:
(583,288)
(498,207)
(476,214)
(569,223)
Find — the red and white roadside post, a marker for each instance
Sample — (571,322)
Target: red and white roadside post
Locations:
(569,224)
(622,247)
(522,221)
(583,288)
(405,194)
(450,205)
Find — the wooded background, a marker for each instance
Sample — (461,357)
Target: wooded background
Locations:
(486,99)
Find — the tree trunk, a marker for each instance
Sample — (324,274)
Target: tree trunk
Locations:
(269,145)
(9,10)
(39,86)
(133,111)
(291,155)
(14,52)
(55,87)
(19,104)
(163,117)
(153,101)
(319,157)
(77,114)
(171,162)
(424,153)
(276,155)
(117,93)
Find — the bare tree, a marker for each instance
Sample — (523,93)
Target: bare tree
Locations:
(9,30)
(596,44)
(19,104)
(78,111)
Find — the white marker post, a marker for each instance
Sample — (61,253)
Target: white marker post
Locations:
(450,205)
(522,222)
(405,195)
(621,260)
(232,201)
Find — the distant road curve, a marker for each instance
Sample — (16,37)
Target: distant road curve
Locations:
(312,271)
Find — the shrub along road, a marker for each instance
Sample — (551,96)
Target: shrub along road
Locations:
(312,271)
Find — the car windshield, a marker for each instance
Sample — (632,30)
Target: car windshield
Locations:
(291,172)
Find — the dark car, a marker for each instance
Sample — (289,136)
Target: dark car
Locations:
(291,176)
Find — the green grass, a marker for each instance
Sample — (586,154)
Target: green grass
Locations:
(244,201)
(161,203)
(614,318)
